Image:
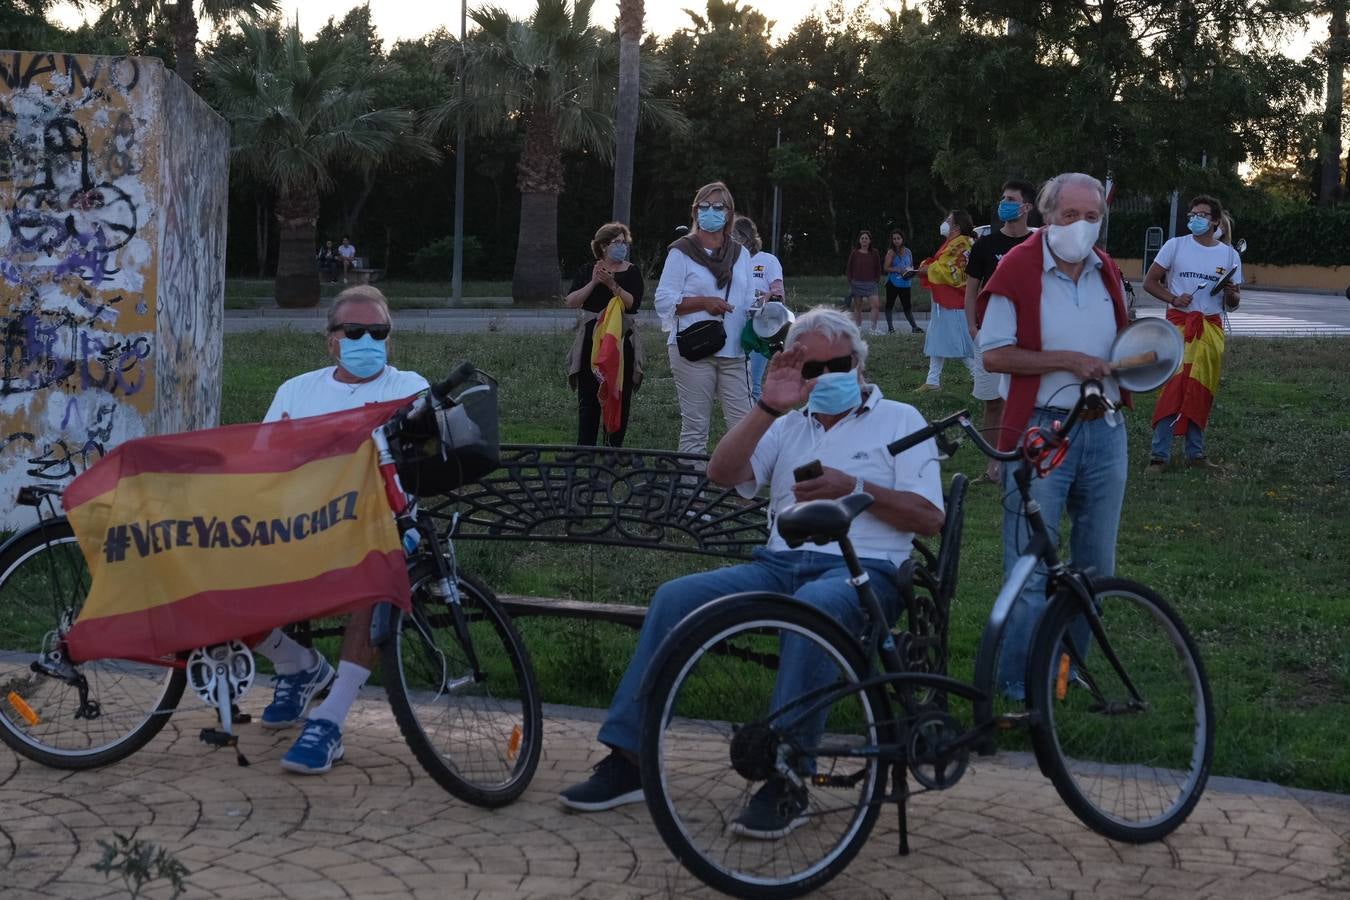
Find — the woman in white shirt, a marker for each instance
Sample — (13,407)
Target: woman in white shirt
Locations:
(707,276)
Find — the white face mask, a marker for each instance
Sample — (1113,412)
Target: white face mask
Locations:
(1072,243)
(945,229)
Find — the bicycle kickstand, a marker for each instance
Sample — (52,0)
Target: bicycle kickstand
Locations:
(902,805)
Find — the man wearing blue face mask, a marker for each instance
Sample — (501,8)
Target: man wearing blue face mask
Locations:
(358,341)
(815,405)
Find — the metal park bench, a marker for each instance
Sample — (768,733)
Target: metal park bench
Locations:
(659,500)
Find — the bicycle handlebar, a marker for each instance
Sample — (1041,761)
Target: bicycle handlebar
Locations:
(1090,397)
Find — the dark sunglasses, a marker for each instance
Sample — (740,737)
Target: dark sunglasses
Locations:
(815,368)
(719,207)
(355,332)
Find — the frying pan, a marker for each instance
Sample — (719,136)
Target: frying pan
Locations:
(1145,354)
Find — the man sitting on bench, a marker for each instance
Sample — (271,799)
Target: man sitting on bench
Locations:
(845,425)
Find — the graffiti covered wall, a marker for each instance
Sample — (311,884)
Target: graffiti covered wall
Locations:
(113,182)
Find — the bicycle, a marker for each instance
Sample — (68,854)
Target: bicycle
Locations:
(458,676)
(1118,706)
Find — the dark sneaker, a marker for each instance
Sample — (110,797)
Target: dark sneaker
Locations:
(317,748)
(294,693)
(776,810)
(1155,466)
(615,782)
(1204,462)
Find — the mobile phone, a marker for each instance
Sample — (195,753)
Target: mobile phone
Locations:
(808,471)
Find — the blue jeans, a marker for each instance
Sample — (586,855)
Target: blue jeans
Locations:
(758,363)
(820,579)
(1162,439)
(1090,485)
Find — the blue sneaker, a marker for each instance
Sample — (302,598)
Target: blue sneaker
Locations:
(317,748)
(294,693)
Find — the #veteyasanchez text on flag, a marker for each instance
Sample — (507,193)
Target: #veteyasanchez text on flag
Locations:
(197,538)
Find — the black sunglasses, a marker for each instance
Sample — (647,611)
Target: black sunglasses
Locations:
(354,332)
(815,368)
(719,207)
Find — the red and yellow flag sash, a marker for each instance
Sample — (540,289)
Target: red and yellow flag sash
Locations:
(607,363)
(197,538)
(1189,394)
(946,276)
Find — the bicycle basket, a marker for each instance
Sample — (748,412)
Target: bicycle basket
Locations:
(464,446)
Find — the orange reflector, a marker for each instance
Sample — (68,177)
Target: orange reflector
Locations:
(22,708)
(1062,679)
(513,744)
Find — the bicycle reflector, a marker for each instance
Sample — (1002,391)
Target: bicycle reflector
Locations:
(22,708)
(513,742)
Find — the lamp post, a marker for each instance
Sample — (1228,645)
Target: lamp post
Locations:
(457,265)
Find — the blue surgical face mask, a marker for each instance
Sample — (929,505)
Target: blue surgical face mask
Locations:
(363,357)
(1008,210)
(711,220)
(617,252)
(835,392)
(1198,225)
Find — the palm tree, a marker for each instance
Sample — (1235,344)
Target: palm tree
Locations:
(626,118)
(296,116)
(553,75)
(1329,188)
(183,19)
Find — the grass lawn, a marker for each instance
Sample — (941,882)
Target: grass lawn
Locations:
(1257,563)
(250,293)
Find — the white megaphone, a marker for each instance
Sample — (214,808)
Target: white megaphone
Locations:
(772,320)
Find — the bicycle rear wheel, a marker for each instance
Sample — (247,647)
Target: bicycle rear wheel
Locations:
(1131,770)
(43,585)
(716,744)
(478,734)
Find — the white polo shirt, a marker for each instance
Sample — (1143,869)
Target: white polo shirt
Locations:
(318,393)
(682,277)
(1075,315)
(855,445)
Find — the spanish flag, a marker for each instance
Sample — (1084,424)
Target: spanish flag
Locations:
(607,363)
(198,538)
(946,275)
(1189,395)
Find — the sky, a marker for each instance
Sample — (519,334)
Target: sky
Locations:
(396,19)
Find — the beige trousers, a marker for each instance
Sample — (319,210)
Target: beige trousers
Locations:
(696,384)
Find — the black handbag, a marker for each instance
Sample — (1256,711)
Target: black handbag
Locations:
(702,339)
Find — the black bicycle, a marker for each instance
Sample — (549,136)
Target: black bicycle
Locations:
(458,676)
(1118,706)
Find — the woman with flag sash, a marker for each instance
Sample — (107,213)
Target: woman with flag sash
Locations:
(605,395)
(944,274)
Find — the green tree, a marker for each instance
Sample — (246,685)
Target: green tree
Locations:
(551,76)
(183,20)
(297,115)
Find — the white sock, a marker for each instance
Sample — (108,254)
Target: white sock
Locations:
(342,694)
(286,654)
(935,370)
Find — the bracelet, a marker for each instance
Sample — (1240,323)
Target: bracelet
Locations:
(774,413)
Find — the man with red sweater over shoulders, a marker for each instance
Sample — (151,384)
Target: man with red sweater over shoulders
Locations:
(1048,318)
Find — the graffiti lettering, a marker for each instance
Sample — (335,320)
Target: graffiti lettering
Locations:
(19,70)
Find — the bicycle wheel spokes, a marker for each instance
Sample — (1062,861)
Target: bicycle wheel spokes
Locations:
(477,732)
(43,584)
(1134,765)
(760,787)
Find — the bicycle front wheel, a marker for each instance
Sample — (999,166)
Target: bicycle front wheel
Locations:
(43,585)
(1130,763)
(476,731)
(756,793)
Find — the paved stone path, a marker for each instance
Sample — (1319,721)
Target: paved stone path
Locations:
(378,826)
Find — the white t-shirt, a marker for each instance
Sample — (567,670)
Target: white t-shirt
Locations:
(347,250)
(1074,316)
(1192,268)
(682,277)
(855,445)
(317,393)
(765,270)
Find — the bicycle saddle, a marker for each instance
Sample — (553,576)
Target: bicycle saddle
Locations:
(820,521)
